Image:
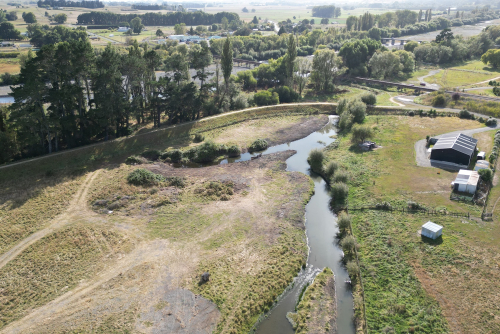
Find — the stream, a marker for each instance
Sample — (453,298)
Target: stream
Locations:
(321,230)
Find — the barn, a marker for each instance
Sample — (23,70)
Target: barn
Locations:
(454,152)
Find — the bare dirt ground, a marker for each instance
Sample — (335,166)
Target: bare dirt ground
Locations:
(148,289)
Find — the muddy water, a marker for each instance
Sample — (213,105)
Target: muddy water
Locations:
(321,229)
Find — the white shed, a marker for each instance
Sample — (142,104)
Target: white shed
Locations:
(466,181)
(432,230)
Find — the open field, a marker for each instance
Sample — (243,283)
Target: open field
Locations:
(465,31)
(412,284)
(121,271)
(11,66)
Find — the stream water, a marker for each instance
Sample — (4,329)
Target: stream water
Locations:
(321,229)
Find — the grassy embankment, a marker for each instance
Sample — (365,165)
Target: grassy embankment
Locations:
(352,92)
(461,76)
(316,311)
(90,244)
(412,284)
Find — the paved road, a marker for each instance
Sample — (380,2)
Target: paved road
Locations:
(431,73)
(421,149)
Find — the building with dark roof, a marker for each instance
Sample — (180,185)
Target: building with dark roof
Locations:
(454,152)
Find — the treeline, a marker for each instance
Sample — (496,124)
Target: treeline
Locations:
(147,7)
(64,3)
(326,11)
(157,19)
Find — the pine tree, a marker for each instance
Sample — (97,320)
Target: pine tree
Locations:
(420,16)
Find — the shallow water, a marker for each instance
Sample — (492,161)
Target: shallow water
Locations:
(321,229)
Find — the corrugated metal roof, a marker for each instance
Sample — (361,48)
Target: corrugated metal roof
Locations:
(432,227)
(460,143)
(467,177)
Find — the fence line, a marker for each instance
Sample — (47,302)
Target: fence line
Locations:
(414,211)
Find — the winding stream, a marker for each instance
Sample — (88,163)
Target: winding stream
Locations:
(321,229)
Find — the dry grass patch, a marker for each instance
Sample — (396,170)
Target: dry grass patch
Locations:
(27,205)
(54,266)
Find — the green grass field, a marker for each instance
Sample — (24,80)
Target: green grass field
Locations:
(471,73)
(412,284)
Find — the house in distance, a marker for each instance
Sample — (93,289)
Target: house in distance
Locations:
(453,152)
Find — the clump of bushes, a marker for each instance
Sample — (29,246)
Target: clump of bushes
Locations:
(330,169)
(135,160)
(339,191)
(173,155)
(198,138)
(217,190)
(465,114)
(369,99)
(315,160)
(144,177)
(233,151)
(415,206)
(348,244)
(176,181)
(258,145)
(341,176)
(439,100)
(491,122)
(350,112)
(152,155)
(206,152)
(486,174)
(343,222)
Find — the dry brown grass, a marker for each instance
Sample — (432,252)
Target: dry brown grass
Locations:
(485,141)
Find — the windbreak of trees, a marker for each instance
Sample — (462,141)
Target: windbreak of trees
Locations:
(64,3)
(326,11)
(157,19)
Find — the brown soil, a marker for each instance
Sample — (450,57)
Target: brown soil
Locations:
(145,290)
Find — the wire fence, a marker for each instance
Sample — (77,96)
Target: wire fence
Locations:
(412,211)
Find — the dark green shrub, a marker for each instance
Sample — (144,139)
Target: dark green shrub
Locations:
(330,169)
(222,149)
(348,244)
(343,222)
(486,175)
(415,206)
(152,155)
(206,152)
(411,113)
(358,111)
(340,176)
(315,160)
(439,100)
(198,138)
(233,151)
(134,160)
(266,98)
(491,122)
(258,145)
(465,114)
(340,191)
(369,99)
(144,177)
(345,120)
(383,206)
(286,95)
(190,154)
(352,269)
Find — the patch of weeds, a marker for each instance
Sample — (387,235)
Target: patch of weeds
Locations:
(216,190)
(144,177)
(198,138)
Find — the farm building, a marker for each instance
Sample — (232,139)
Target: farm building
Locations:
(454,152)
(432,230)
(466,181)
(482,164)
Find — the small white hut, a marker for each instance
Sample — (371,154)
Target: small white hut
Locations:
(432,230)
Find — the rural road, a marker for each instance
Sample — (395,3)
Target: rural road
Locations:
(431,73)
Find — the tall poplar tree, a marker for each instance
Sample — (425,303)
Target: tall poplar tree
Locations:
(291,55)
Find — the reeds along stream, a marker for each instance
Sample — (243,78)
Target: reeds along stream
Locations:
(321,230)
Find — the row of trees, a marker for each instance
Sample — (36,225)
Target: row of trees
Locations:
(64,3)
(328,11)
(156,19)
